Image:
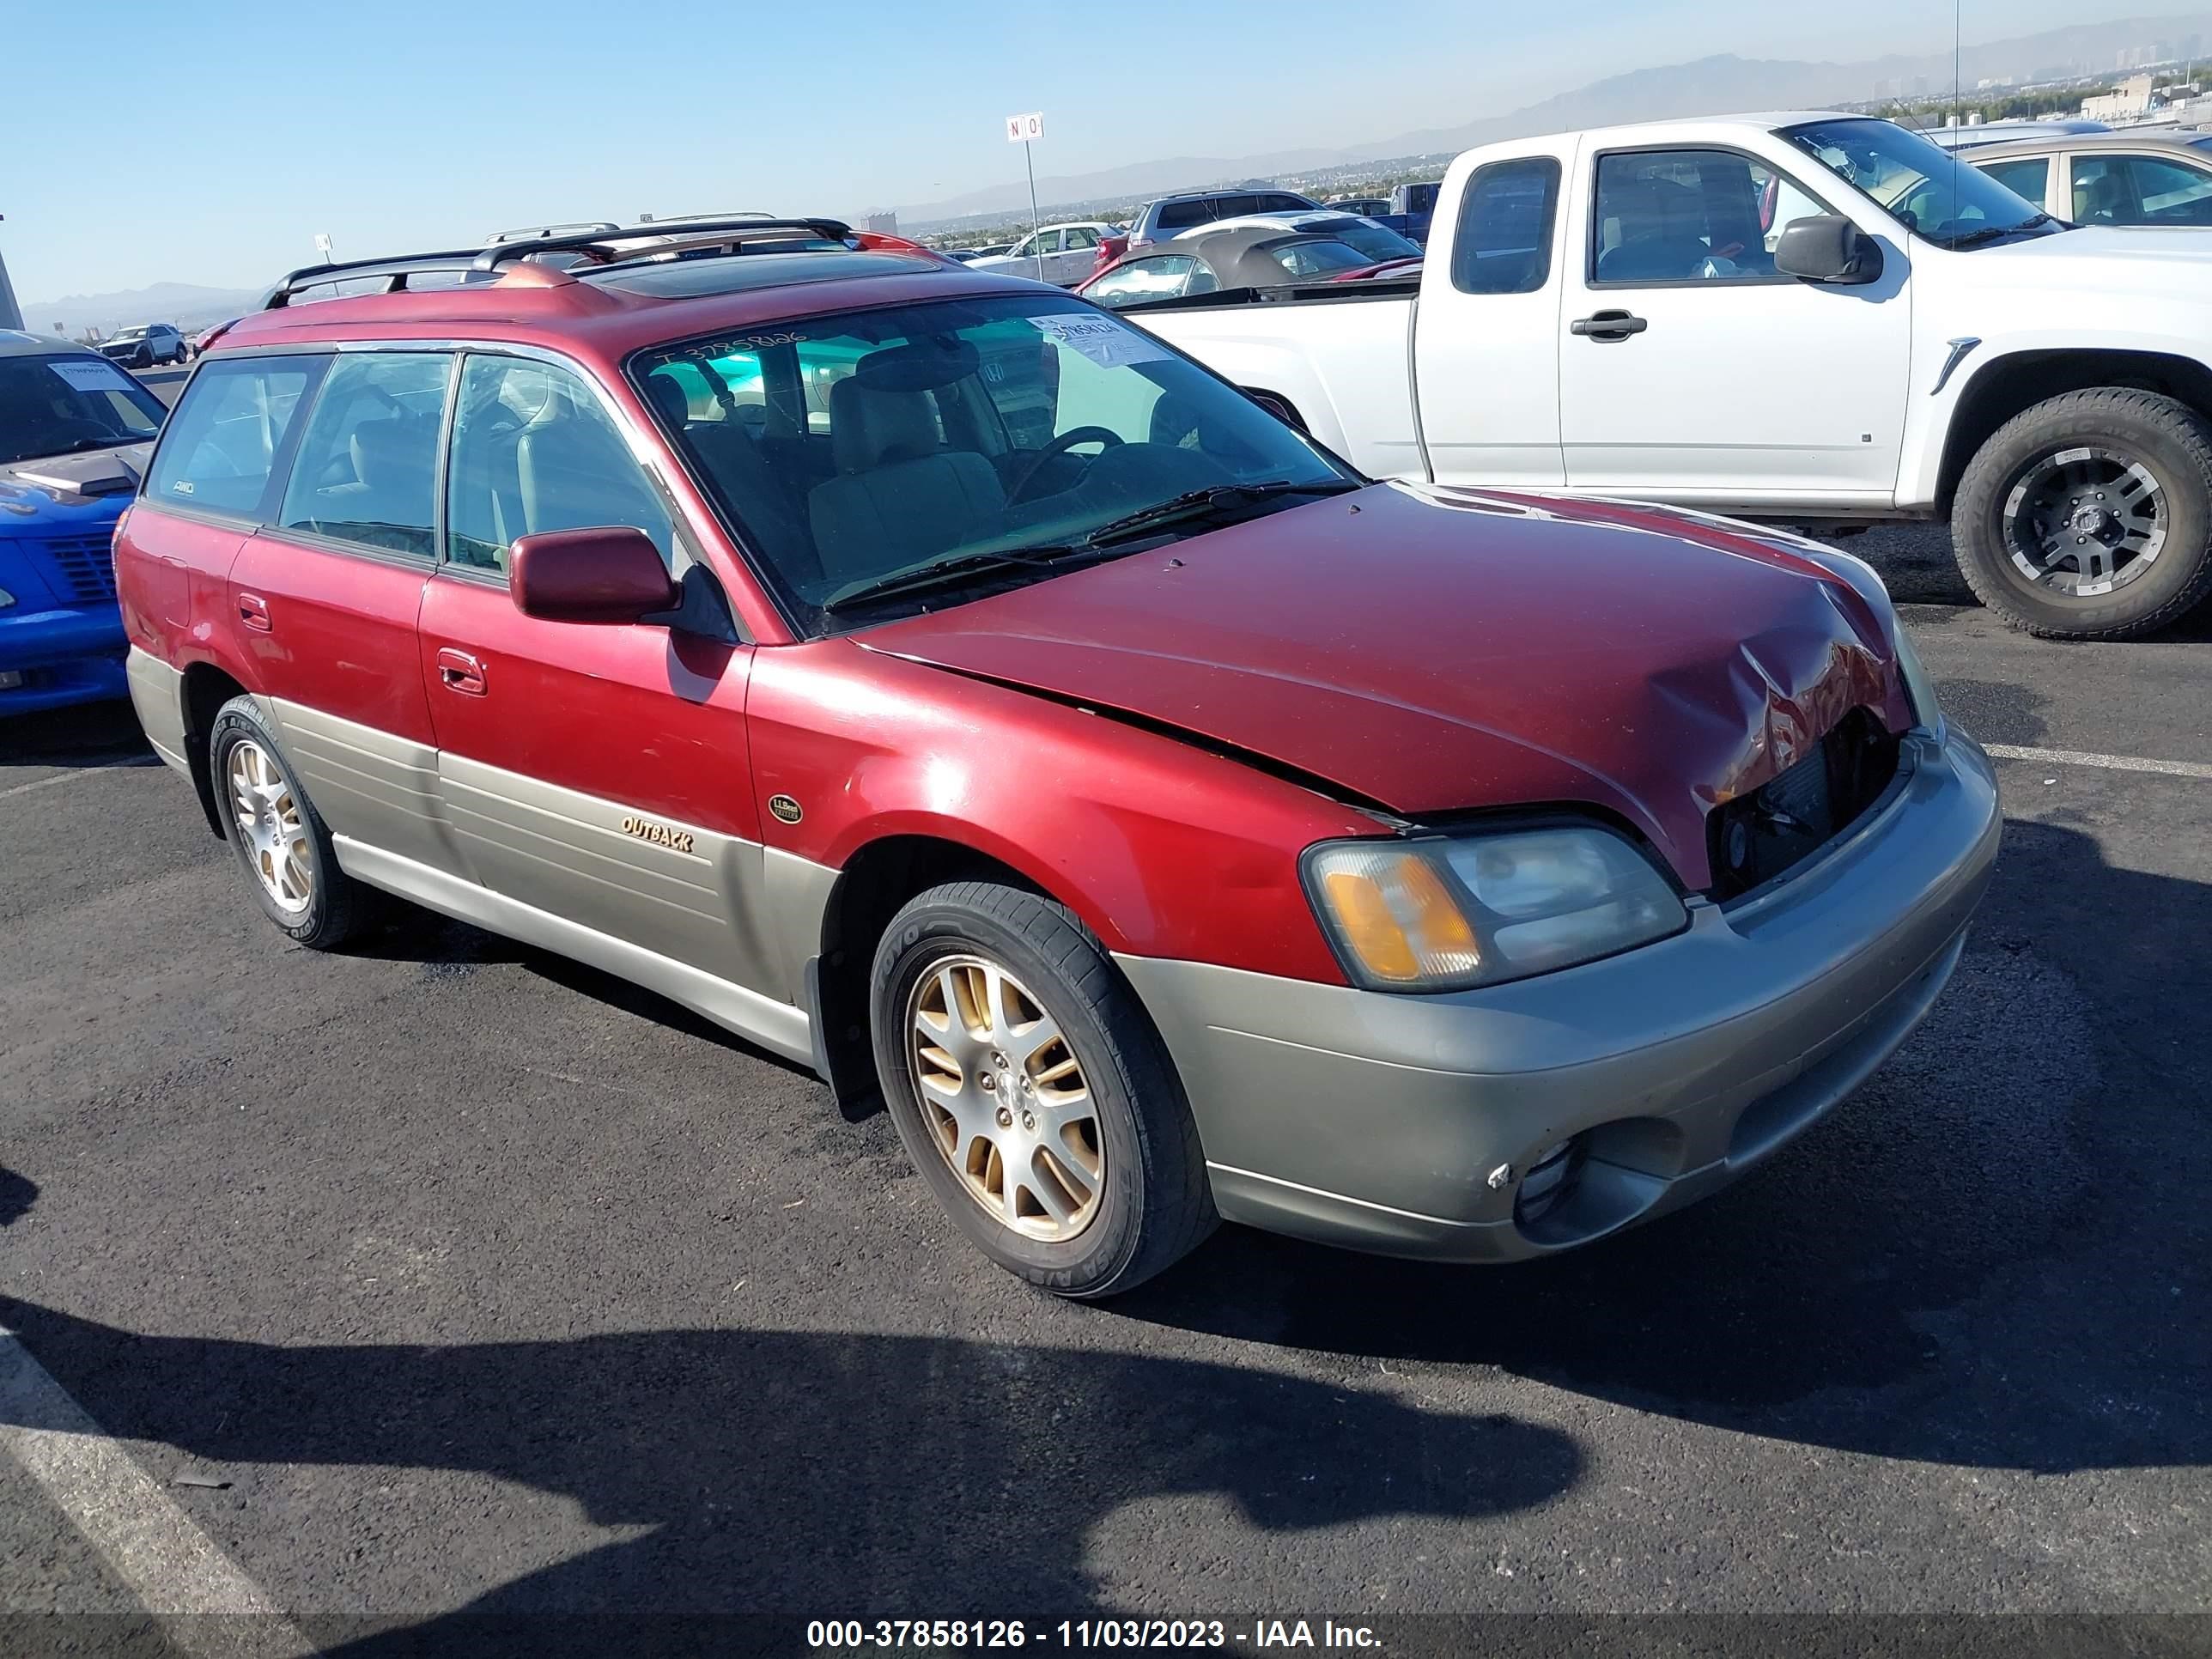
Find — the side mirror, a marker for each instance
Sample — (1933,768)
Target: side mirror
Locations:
(612,574)
(1827,248)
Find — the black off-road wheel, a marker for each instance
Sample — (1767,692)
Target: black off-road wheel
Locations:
(281,842)
(2089,516)
(1033,1093)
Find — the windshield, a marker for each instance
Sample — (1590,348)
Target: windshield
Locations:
(1377,242)
(57,406)
(851,448)
(1930,192)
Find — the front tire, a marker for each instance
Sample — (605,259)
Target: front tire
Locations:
(2089,516)
(283,846)
(1032,1093)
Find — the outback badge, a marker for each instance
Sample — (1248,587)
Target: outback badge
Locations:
(658,834)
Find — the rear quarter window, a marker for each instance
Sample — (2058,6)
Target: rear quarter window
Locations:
(219,445)
(1503,242)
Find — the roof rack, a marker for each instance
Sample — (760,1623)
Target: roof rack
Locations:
(528,233)
(602,242)
(664,237)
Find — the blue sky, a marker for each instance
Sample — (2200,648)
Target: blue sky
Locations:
(210,142)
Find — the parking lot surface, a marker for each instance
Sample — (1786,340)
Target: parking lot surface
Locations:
(445,1278)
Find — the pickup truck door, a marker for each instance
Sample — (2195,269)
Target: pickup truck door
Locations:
(1691,370)
(1485,333)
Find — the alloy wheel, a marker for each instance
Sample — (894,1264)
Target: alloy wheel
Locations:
(1004,1099)
(2083,521)
(271,828)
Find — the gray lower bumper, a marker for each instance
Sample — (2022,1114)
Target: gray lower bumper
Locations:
(1379,1120)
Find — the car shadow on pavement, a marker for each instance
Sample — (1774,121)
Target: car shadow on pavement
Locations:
(808,1474)
(83,734)
(17,1194)
(1995,1254)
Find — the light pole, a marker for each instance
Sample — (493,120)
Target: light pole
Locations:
(11,314)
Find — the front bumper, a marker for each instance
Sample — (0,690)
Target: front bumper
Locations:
(64,656)
(1383,1121)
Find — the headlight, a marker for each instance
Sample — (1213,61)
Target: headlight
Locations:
(1445,914)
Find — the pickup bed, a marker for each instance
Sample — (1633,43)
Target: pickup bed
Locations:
(1815,319)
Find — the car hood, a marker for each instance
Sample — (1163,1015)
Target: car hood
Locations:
(1428,651)
(47,482)
(2100,261)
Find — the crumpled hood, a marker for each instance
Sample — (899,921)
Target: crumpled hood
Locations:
(1431,650)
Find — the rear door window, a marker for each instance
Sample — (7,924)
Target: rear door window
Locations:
(2028,177)
(1182,216)
(367,471)
(217,450)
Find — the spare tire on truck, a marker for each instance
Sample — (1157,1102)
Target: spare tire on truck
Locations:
(2089,515)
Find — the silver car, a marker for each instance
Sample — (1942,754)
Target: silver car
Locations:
(2138,180)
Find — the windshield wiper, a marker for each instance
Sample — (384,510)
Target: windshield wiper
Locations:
(1196,503)
(943,571)
(1991,233)
(1193,503)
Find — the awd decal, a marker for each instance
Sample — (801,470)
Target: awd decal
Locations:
(658,834)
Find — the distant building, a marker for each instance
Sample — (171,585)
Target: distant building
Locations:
(2128,102)
(884,223)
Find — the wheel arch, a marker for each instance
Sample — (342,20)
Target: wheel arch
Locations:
(877,880)
(206,689)
(2007,385)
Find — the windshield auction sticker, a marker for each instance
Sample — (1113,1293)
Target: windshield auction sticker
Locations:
(86,375)
(1101,339)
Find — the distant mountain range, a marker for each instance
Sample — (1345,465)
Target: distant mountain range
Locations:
(187,305)
(1707,86)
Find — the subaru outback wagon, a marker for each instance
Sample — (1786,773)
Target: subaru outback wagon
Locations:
(951,689)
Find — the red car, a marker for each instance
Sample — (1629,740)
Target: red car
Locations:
(955,692)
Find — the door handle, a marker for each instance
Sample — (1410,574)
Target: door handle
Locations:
(459,672)
(1607,325)
(253,612)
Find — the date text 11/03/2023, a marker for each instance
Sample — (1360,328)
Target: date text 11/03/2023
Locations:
(858,1635)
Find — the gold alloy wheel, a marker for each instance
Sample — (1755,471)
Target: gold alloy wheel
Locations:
(270,827)
(1005,1099)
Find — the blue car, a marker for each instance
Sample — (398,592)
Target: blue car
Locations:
(74,433)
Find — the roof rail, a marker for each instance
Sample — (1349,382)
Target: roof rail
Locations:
(659,241)
(666,238)
(398,269)
(531,233)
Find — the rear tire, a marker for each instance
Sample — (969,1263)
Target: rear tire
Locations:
(1994,521)
(966,978)
(283,846)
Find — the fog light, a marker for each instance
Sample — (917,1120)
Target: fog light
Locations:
(1550,1181)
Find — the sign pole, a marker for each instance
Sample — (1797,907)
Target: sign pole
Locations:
(1026,130)
(1036,219)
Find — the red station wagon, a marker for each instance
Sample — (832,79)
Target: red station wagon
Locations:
(950,687)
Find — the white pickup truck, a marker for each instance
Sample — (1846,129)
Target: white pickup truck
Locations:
(1819,318)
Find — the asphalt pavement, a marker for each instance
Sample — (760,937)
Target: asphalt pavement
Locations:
(444,1280)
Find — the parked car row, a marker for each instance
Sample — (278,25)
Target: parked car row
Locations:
(945,684)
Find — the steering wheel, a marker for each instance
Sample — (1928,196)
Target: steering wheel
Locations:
(1060,446)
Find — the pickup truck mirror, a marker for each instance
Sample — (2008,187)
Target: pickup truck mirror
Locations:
(612,574)
(1827,248)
